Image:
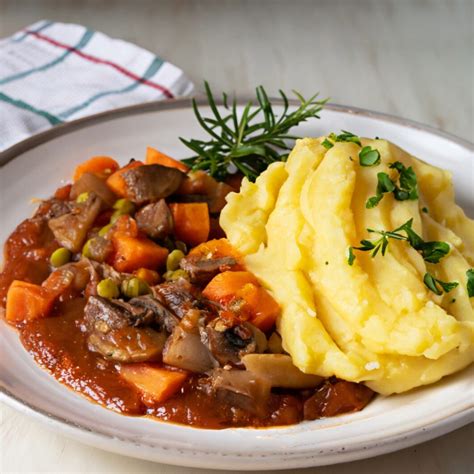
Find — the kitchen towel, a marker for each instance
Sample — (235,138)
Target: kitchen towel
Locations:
(51,73)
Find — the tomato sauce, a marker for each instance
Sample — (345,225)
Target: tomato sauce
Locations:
(58,344)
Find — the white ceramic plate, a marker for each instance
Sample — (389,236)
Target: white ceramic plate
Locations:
(35,167)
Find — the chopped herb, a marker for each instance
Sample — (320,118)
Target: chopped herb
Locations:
(453,300)
(470,282)
(350,256)
(327,144)
(384,185)
(369,156)
(345,136)
(425,210)
(407,190)
(249,141)
(431,252)
(438,286)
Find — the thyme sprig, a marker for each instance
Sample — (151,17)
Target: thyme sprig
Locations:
(431,251)
(249,141)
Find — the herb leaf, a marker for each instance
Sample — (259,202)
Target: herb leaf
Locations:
(350,256)
(408,189)
(431,251)
(249,141)
(438,286)
(369,156)
(470,282)
(327,144)
(384,185)
(345,136)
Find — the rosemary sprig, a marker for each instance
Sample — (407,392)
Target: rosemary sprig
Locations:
(249,141)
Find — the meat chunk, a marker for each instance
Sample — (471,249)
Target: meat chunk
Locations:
(151,182)
(335,397)
(70,229)
(228,345)
(179,296)
(186,351)
(242,389)
(90,183)
(53,208)
(116,330)
(162,315)
(202,270)
(155,220)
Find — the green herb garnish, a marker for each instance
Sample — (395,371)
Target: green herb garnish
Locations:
(327,144)
(345,136)
(470,282)
(431,251)
(438,286)
(369,156)
(424,209)
(350,256)
(406,189)
(249,141)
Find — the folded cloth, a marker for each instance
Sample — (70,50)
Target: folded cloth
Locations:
(52,73)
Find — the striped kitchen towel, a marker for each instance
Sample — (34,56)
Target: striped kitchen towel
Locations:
(52,73)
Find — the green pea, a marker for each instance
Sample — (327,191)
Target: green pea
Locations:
(60,257)
(134,287)
(108,289)
(104,230)
(124,206)
(83,197)
(86,250)
(175,275)
(172,262)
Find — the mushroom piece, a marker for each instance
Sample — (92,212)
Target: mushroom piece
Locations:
(185,350)
(155,220)
(242,389)
(162,315)
(70,229)
(90,183)
(280,371)
(151,182)
(202,270)
(115,332)
(228,345)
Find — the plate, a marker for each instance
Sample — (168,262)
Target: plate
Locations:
(35,167)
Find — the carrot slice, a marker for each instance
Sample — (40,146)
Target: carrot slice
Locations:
(225,286)
(217,248)
(116,182)
(191,222)
(27,301)
(102,166)
(132,253)
(150,276)
(155,157)
(260,308)
(155,384)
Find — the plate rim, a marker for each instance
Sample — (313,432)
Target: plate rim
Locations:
(200,458)
(186,102)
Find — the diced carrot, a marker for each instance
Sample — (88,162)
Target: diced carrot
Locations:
(27,301)
(116,182)
(197,182)
(125,225)
(132,253)
(191,222)
(218,248)
(260,307)
(150,276)
(155,157)
(263,309)
(224,286)
(102,166)
(155,384)
(63,192)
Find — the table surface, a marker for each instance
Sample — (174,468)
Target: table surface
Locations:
(409,58)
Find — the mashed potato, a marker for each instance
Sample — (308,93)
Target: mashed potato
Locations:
(374,320)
